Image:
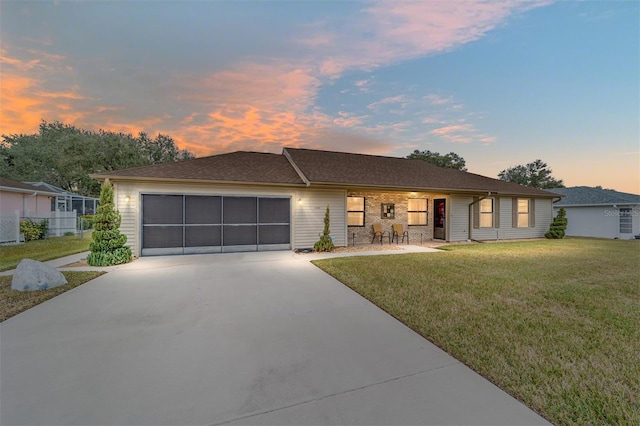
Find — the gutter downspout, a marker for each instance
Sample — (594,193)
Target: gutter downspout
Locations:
(471,213)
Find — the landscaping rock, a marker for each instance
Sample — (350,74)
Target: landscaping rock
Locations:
(32,275)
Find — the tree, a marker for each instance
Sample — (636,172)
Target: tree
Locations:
(536,174)
(108,245)
(64,155)
(450,160)
(325,243)
(558,226)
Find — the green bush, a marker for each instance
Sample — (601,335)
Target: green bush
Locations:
(86,221)
(33,230)
(108,245)
(558,226)
(109,258)
(325,243)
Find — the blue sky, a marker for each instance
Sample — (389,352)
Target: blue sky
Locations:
(499,83)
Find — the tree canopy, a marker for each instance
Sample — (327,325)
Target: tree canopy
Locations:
(64,155)
(536,174)
(450,160)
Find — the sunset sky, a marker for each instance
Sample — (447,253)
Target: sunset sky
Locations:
(500,83)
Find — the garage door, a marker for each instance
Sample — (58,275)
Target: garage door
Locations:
(185,224)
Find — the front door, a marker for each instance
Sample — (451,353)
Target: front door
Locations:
(440,218)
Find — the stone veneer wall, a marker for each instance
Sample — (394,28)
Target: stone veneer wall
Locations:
(372,214)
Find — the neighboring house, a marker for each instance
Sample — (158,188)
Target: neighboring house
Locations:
(19,200)
(247,201)
(26,199)
(596,212)
(66,201)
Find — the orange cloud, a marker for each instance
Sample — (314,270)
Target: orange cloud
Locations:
(254,107)
(18,110)
(262,106)
(451,129)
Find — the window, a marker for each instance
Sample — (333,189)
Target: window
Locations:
(625,220)
(486,213)
(355,211)
(417,211)
(523,213)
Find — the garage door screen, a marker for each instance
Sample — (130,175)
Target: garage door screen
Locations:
(183,224)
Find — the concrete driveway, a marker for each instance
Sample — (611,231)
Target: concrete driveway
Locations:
(254,338)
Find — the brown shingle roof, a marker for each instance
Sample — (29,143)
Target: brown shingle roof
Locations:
(340,168)
(241,166)
(324,167)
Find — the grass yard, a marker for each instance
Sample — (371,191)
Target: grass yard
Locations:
(556,323)
(42,250)
(12,302)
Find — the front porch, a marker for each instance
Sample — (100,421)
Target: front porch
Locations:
(413,210)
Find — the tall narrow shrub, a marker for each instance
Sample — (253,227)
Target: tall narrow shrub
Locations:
(325,243)
(108,245)
(558,226)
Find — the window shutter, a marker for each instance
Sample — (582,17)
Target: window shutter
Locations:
(532,213)
(496,212)
(514,212)
(476,213)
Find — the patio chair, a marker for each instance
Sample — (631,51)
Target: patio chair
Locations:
(397,232)
(379,233)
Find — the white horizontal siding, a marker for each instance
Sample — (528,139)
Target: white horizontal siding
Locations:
(128,213)
(459,221)
(309,216)
(543,218)
(599,221)
(458,215)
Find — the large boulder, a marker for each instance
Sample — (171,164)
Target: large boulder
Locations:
(33,275)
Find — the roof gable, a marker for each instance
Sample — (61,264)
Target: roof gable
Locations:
(585,195)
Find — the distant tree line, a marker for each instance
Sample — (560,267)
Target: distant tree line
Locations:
(536,174)
(64,155)
(450,160)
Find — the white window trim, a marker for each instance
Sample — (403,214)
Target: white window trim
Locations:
(425,211)
(364,203)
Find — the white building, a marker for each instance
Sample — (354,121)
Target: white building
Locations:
(596,212)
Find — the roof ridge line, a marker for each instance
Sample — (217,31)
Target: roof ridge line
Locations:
(295,167)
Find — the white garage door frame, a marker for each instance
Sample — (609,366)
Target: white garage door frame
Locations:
(239,224)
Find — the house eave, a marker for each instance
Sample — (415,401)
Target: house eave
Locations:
(457,191)
(28,192)
(196,181)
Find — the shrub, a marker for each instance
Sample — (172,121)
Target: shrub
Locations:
(108,245)
(558,226)
(86,221)
(325,243)
(33,230)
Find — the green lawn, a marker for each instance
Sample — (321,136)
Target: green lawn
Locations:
(556,323)
(42,250)
(12,302)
